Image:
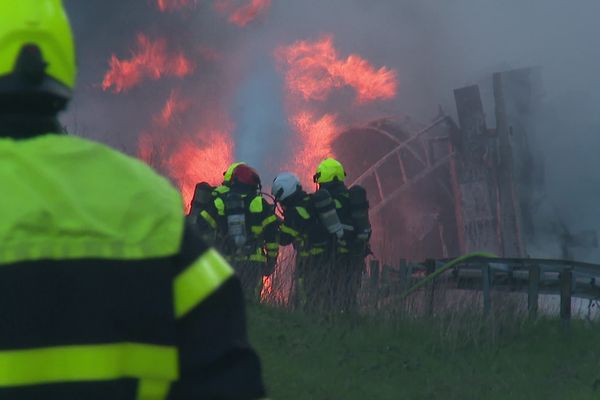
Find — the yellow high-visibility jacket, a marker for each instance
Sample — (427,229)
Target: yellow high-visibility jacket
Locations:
(302,228)
(262,225)
(104,292)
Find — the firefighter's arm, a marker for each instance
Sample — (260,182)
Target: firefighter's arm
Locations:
(216,359)
(289,231)
(287,234)
(210,215)
(359,205)
(207,221)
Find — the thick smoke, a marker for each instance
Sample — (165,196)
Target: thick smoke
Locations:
(434,45)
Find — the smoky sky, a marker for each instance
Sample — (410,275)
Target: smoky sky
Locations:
(434,45)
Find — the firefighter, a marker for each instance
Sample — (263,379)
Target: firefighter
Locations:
(202,196)
(350,230)
(201,201)
(203,211)
(248,227)
(302,228)
(105,293)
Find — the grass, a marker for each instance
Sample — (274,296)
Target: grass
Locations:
(306,357)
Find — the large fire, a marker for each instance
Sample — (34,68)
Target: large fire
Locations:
(190,157)
(150,60)
(189,133)
(314,70)
(200,157)
(313,143)
(201,160)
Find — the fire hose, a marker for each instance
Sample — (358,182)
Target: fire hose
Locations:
(450,264)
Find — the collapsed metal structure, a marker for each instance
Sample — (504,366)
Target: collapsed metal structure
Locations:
(445,189)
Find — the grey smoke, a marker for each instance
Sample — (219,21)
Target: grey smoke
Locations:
(435,45)
(261,128)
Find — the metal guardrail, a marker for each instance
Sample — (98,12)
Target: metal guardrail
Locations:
(483,272)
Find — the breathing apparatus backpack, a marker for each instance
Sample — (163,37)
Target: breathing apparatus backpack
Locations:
(235,209)
(359,206)
(201,200)
(325,206)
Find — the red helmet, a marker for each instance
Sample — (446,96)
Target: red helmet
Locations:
(245,175)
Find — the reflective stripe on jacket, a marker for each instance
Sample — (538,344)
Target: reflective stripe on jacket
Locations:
(103,287)
(302,227)
(261,226)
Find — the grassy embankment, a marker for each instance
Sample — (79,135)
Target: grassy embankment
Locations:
(359,358)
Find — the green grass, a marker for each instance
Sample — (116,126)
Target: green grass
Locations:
(358,358)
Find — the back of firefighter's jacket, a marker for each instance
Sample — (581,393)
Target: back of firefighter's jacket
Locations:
(261,226)
(341,196)
(303,228)
(202,211)
(104,292)
(207,216)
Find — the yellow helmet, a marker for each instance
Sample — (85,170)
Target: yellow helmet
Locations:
(229,173)
(37,53)
(330,170)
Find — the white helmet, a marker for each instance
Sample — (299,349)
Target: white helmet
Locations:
(285,185)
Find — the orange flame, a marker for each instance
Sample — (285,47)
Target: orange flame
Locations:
(187,159)
(174,5)
(174,106)
(242,15)
(149,61)
(315,136)
(271,293)
(267,288)
(315,70)
(194,162)
(276,288)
